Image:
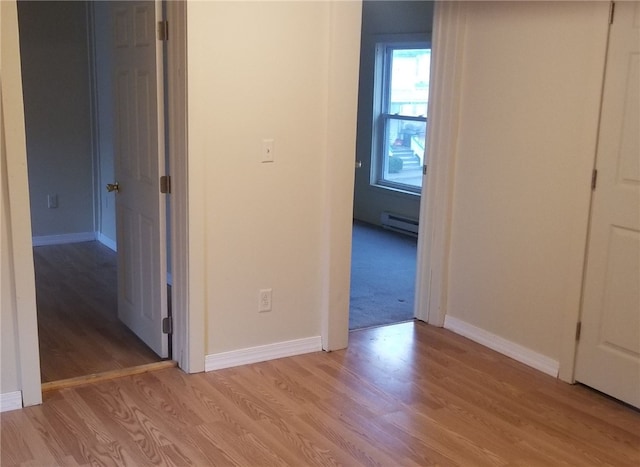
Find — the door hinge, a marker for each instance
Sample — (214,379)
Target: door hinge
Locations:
(165,184)
(424,169)
(594,179)
(163,30)
(612,9)
(167,325)
(578,330)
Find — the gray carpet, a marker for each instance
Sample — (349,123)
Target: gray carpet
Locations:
(383,271)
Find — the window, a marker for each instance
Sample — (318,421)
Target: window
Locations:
(401,99)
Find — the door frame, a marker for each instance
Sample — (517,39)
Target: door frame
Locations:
(188,336)
(571,318)
(175,144)
(572,321)
(436,202)
(188,185)
(21,250)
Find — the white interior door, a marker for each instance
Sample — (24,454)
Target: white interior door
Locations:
(139,158)
(608,356)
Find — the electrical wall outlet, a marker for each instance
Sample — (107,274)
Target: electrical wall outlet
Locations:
(264,300)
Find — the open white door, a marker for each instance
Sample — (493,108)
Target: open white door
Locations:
(139,159)
(608,357)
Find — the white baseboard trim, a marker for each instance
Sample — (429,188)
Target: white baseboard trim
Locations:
(262,353)
(63,238)
(106,241)
(499,344)
(10,401)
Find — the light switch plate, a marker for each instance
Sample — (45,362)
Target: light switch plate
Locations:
(267,150)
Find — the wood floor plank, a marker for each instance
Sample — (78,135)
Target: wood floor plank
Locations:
(134,430)
(225,409)
(15,433)
(405,395)
(91,441)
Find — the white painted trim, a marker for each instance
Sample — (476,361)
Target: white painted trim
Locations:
(106,241)
(339,142)
(437,201)
(519,353)
(77,237)
(263,353)
(188,202)
(10,401)
(20,251)
(574,287)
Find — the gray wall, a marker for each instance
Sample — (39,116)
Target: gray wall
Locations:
(104,106)
(382,17)
(55,70)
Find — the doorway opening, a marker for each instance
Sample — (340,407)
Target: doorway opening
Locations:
(395,54)
(73,221)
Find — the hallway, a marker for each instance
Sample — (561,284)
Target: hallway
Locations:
(78,327)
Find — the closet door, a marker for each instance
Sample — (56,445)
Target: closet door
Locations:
(608,357)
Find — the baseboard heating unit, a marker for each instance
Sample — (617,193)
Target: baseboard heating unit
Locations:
(398,223)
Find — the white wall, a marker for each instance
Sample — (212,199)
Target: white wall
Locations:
(382,17)
(262,70)
(55,74)
(526,143)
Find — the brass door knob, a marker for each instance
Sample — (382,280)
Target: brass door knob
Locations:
(113,187)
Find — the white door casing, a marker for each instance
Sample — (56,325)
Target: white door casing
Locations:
(139,158)
(608,352)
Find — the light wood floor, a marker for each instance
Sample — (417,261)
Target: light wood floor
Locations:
(403,395)
(78,327)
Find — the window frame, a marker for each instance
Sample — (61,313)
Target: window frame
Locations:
(381,116)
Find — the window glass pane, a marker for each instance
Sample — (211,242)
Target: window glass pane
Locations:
(402,100)
(404,143)
(409,93)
